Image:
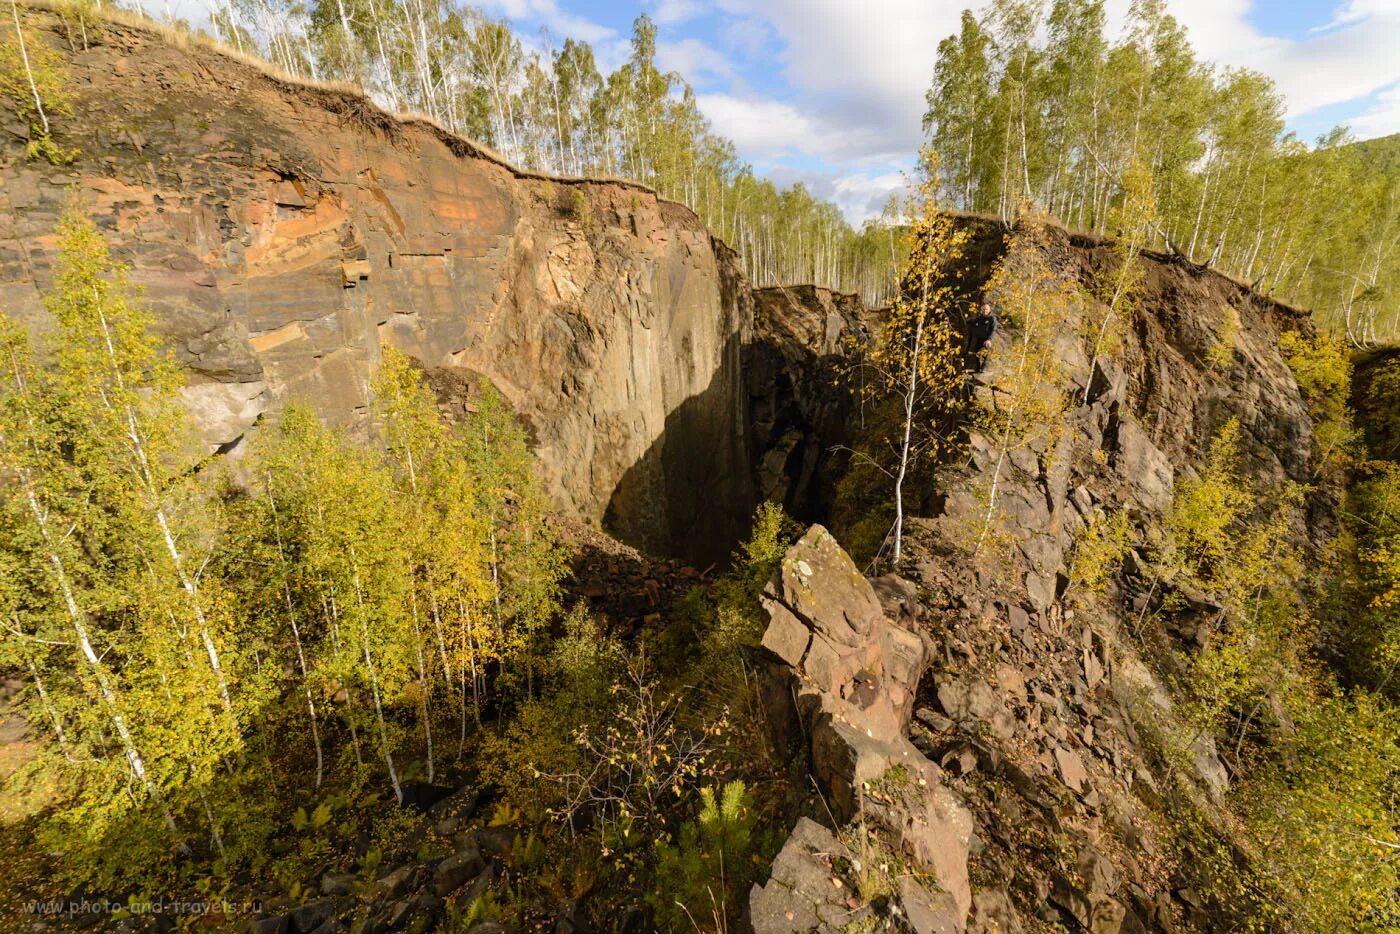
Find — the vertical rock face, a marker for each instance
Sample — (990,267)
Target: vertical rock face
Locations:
(798,411)
(284,235)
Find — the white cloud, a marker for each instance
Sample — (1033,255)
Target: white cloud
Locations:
(865,64)
(1357,10)
(858,72)
(762,128)
(694,60)
(862,196)
(746,35)
(672,12)
(872,61)
(765,129)
(859,195)
(1382,118)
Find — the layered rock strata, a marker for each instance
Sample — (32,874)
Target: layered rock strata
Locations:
(285,234)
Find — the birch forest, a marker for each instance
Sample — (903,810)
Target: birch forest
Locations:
(1036,101)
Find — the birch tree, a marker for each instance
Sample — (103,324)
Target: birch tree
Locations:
(350,538)
(1117,287)
(916,359)
(137,439)
(1024,383)
(34,80)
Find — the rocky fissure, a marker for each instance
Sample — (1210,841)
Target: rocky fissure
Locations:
(799,413)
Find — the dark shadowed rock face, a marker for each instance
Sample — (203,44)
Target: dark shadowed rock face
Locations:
(284,235)
(797,411)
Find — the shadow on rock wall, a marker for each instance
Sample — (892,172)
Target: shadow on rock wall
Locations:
(691,494)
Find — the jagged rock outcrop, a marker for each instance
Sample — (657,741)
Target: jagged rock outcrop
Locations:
(1146,411)
(284,234)
(1051,713)
(1050,717)
(853,672)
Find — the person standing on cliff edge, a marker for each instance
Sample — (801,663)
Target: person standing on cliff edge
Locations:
(981,330)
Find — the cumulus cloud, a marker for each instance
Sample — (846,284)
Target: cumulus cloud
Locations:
(862,66)
(746,36)
(862,196)
(762,128)
(767,130)
(1382,117)
(694,60)
(1358,10)
(871,62)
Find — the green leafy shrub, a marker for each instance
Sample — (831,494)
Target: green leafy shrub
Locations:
(702,878)
(1222,351)
(1376,504)
(1322,367)
(1099,550)
(1323,822)
(1206,513)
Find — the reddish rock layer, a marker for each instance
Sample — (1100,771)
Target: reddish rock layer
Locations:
(285,234)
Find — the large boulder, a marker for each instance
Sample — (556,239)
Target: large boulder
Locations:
(855,672)
(826,622)
(815,881)
(804,891)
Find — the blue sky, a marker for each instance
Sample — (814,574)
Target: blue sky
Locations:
(831,92)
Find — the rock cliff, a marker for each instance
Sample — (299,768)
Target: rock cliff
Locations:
(1044,722)
(985,726)
(283,234)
